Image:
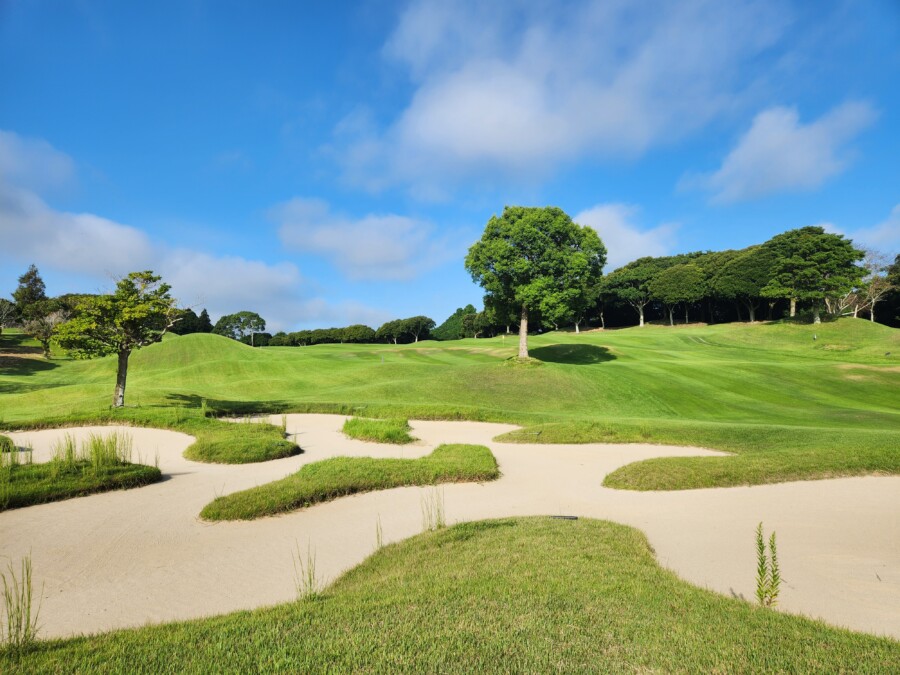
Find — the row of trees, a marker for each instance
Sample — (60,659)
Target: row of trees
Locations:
(806,267)
(398,331)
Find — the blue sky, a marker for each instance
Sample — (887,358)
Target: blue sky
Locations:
(330,163)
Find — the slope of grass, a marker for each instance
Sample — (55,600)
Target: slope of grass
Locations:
(582,596)
(30,484)
(393,430)
(340,476)
(729,386)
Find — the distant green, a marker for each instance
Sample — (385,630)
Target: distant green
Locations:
(341,476)
(793,400)
(530,595)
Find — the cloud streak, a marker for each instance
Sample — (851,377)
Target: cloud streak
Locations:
(624,241)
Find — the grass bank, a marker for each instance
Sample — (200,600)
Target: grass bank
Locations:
(582,596)
(341,476)
(393,430)
(102,463)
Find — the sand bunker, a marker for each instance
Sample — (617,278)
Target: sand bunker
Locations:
(127,558)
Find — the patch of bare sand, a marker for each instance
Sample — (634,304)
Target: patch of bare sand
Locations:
(132,557)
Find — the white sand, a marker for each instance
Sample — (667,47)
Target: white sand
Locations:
(132,557)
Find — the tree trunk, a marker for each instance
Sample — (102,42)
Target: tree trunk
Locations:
(641,312)
(737,308)
(686,307)
(771,308)
(671,317)
(523,334)
(793,307)
(816,317)
(507,329)
(576,327)
(121,375)
(752,309)
(871,314)
(602,321)
(417,338)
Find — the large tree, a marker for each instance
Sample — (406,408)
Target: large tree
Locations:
(743,276)
(45,318)
(875,284)
(535,259)
(30,293)
(418,327)
(240,325)
(138,313)
(811,264)
(631,284)
(684,283)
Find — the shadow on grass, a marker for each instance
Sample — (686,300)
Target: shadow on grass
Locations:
(578,355)
(222,407)
(18,366)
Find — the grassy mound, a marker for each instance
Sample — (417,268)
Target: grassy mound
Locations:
(525,595)
(241,444)
(379,431)
(102,463)
(341,476)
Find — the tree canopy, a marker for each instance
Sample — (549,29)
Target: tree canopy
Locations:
(240,325)
(137,314)
(30,292)
(535,259)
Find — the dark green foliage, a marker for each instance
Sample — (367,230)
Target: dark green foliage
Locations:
(239,325)
(743,276)
(341,476)
(357,333)
(684,283)
(452,328)
(204,325)
(30,292)
(6,444)
(530,595)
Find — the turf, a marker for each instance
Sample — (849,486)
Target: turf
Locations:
(378,431)
(794,400)
(341,476)
(569,596)
(30,484)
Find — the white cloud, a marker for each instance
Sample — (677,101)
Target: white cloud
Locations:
(623,240)
(383,247)
(883,236)
(33,163)
(519,88)
(780,154)
(100,250)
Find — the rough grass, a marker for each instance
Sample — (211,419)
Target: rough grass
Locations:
(526,595)
(6,444)
(341,476)
(394,430)
(251,442)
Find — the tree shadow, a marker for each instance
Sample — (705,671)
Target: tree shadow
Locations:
(572,354)
(17,366)
(219,406)
(11,343)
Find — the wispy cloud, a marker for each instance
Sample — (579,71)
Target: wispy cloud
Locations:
(781,154)
(517,89)
(883,236)
(623,239)
(373,247)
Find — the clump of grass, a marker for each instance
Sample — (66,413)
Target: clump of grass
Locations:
(768,574)
(433,513)
(379,533)
(306,580)
(341,476)
(6,444)
(392,430)
(21,617)
(241,443)
(100,463)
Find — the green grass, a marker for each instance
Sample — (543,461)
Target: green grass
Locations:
(248,442)
(394,430)
(791,406)
(341,476)
(582,596)
(6,444)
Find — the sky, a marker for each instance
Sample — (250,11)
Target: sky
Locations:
(325,164)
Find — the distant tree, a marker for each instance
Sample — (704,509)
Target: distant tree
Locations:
(535,259)
(359,333)
(812,265)
(240,325)
(30,292)
(892,299)
(138,313)
(188,324)
(204,325)
(631,284)
(743,276)
(417,327)
(390,331)
(46,316)
(683,283)
(452,328)
(876,284)
(7,313)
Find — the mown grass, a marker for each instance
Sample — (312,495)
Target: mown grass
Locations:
(341,476)
(394,430)
(524,595)
(728,386)
(102,463)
